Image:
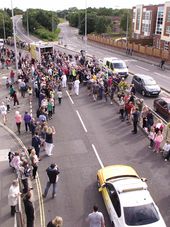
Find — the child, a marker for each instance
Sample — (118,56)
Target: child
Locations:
(166,151)
(158,139)
(151,137)
(7,102)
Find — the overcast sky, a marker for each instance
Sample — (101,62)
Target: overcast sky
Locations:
(80,4)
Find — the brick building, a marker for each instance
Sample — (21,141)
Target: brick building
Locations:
(162,32)
(143,22)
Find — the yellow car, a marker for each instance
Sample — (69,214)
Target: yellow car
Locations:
(127,198)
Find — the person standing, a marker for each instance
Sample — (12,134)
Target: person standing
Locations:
(96,218)
(59,95)
(49,140)
(135,116)
(18,120)
(12,76)
(13,196)
(76,86)
(56,222)
(36,143)
(64,81)
(52,173)
(34,162)
(27,120)
(29,209)
(3,111)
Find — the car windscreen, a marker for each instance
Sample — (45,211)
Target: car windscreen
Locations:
(119,65)
(149,82)
(141,215)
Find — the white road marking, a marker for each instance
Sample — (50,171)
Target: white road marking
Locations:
(70,97)
(130,60)
(81,121)
(142,68)
(4,155)
(97,155)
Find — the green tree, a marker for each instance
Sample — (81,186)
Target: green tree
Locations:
(8,24)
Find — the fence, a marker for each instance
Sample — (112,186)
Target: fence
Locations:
(145,50)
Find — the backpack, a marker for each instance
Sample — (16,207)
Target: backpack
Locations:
(27,171)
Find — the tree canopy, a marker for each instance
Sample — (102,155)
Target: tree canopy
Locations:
(5,23)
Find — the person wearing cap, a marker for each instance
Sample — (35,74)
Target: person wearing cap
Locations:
(13,196)
(52,173)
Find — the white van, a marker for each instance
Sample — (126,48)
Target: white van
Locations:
(1,43)
(118,66)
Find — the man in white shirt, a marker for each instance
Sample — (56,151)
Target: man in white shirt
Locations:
(96,219)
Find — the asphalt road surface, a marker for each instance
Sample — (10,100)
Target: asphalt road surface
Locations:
(74,153)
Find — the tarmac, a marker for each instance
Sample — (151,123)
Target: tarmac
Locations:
(9,140)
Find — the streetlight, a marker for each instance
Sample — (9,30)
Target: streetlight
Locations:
(3,18)
(85,31)
(127,28)
(27,24)
(14,34)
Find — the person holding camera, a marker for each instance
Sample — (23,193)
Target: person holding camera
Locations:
(52,173)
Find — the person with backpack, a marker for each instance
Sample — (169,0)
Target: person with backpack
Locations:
(52,173)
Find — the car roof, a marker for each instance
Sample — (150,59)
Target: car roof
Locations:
(113,59)
(116,171)
(166,99)
(143,76)
(133,192)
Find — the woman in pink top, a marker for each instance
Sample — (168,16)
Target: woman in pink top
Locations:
(158,140)
(18,120)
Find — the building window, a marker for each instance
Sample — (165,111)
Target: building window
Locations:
(166,45)
(159,21)
(167,30)
(168,16)
(138,19)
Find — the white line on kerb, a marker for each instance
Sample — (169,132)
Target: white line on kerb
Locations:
(70,97)
(81,121)
(142,68)
(97,155)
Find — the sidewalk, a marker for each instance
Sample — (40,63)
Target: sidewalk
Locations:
(6,176)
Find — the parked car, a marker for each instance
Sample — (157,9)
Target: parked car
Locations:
(127,198)
(162,106)
(146,85)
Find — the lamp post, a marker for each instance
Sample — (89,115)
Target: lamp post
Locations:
(14,34)
(127,28)
(27,24)
(3,18)
(85,29)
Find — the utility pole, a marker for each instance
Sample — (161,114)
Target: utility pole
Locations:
(28,33)
(3,18)
(14,34)
(127,28)
(85,31)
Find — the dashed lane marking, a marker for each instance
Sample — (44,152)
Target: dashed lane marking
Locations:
(70,97)
(142,68)
(84,127)
(97,155)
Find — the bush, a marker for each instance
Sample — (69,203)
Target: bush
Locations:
(46,35)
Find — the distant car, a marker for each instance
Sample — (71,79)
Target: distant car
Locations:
(146,85)
(162,106)
(127,198)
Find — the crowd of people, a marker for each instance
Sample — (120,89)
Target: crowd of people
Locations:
(45,82)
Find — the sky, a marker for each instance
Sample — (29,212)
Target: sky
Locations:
(80,4)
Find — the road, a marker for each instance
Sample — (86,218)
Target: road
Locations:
(75,155)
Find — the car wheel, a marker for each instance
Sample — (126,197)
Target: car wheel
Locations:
(98,182)
(143,93)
